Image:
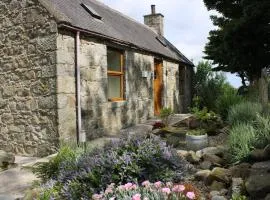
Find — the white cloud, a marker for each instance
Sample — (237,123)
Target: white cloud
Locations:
(187,23)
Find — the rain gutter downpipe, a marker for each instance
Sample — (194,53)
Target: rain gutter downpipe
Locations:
(80,133)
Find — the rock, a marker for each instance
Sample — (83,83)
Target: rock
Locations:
(220,174)
(206,165)
(202,175)
(267,197)
(217,186)
(211,150)
(240,171)
(223,192)
(182,153)
(264,166)
(258,155)
(214,193)
(6,158)
(237,186)
(213,159)
(267,151)
(192,158)
(218,198)
(258,185)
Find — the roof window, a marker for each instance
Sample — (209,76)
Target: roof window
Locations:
(91,11)
(161,40)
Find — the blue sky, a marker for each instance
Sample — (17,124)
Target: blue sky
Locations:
(186,23)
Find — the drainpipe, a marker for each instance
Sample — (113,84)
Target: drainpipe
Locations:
(80,135)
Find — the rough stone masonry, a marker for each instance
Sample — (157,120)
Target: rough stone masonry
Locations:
(27,78)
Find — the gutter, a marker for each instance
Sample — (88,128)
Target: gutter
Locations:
(116,41)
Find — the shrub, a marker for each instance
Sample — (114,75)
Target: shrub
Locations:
(165,115)
(132,158)
(228,99)
(196,132)
(148,190)
(241,140)
(245,112)
(208,85)
(50,170)
(262,126)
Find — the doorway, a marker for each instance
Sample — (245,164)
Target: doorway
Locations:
(158,86)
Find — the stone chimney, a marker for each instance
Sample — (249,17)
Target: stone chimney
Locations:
(155,21)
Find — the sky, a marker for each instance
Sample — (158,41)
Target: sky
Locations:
(186,24)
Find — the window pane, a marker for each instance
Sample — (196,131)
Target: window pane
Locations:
(114,60)
(114,85)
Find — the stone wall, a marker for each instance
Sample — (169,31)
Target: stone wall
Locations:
(171,83)
(66,92)
(99,116)
(28,116)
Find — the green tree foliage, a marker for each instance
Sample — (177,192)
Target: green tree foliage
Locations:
(208,86)
(241,42)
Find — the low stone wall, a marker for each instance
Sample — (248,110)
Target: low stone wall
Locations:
(27,79)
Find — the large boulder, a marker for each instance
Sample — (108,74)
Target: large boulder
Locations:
(215,160)
(6,158)
(258,155)
(220,174)
(202,175)
(211,150)
(258,186)
(217,186)
(240,171)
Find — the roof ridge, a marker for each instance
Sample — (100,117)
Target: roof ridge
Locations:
(124,15)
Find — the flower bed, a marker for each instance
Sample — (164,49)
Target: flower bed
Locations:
(149,191)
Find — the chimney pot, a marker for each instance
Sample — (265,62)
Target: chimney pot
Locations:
(155,21)
(153,9)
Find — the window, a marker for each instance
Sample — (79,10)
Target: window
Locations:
(115,60)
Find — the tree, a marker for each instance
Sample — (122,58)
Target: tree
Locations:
(208,85)
(240,44)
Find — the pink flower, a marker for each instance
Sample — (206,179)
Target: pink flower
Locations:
(136,197)
(158,184)
(128,186)
(108,190)
(146,183)
(97,196)
(178,188)
(166,190)
(190,195)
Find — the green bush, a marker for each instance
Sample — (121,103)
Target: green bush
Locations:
(50,170)
(241,140)
(165,115)
(228,99)
(208,85)
(245,112)
(133,158)
(262,126)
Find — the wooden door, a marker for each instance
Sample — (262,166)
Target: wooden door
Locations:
(158,87)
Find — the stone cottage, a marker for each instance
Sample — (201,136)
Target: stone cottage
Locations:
(74,66)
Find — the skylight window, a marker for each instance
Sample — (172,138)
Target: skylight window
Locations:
(161,40)
(91,11)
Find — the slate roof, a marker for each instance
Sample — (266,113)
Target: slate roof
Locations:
(113,24)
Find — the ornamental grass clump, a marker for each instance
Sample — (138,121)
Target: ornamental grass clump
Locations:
(131,159)
(149,191)
(245,112)
(241,140)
